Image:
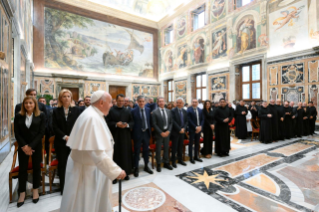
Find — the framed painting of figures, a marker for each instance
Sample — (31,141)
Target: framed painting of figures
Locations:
(80,43)
(219,43)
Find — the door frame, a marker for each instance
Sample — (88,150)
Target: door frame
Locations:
(79,85)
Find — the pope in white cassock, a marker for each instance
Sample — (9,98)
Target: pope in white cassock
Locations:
(90,168)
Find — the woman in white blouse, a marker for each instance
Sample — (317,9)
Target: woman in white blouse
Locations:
(29,129)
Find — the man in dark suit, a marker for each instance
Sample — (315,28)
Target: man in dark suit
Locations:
(141,134)
(180,122)
(87,103)
(151,105)
(31,92)
(162,123)
(195,123)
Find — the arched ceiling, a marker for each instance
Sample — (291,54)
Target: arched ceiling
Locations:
(153,10)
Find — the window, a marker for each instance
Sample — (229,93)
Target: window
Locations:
(201,84)
(241,3)
(170,90)
(251,81)
(199,17)
(169,35)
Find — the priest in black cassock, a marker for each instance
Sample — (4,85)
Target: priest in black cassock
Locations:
(300,113)
(288,121)
(120,122)
(223,116)
(274,119)
(265,115)
(312,118)
(281,118)
(293,117)
(253,110)
(240,120)
(306,130)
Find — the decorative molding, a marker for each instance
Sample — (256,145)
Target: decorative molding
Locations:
(292,56)
(68,76)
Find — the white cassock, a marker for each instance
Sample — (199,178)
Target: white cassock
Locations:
(90,168)
(248,117)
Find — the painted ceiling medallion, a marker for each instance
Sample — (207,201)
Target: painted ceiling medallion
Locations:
(206,179)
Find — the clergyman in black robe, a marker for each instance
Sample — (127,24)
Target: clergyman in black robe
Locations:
(265,115)
(274,119)
(299,120)
(312,118)
(281,118)
(288,121)
(293,117)
(240,120)
(223,117)
(306,129)
(253,110)
(120,123)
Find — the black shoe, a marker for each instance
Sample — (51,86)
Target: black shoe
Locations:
(127,177)
(182,162)
(19,204)
(174,165)
(148,170)
(167,166)
(114,181)
(158,168)
(192,161)
(198,159)
(35,201)
(135,172)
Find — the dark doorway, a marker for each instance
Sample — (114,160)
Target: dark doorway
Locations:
(115,90)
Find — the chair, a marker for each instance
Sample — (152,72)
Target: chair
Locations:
(232,127)
(14,172)
(53,165)
(255,128)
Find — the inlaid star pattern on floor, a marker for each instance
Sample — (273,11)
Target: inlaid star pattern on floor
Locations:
(207,179)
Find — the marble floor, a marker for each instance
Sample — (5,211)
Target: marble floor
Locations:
(276,177)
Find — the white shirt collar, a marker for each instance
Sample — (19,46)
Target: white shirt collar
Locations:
(98,111)
(29,116)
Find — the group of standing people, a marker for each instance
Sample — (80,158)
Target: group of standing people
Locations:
(131,128)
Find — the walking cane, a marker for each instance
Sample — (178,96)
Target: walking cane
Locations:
(120,195)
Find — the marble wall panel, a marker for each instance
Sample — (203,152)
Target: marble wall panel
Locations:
(218,86)
(91,86)
(145,90)
(292,73)
(313,69)
(181,90)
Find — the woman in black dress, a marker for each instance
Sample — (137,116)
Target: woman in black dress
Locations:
(29,129)
(64,117)
(209,125)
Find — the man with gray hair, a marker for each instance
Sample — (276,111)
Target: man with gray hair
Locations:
(180,122)
(141,134)
(162,123)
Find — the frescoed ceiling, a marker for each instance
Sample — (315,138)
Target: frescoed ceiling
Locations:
(153,10)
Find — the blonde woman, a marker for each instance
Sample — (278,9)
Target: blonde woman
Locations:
(29,128)
(63,120)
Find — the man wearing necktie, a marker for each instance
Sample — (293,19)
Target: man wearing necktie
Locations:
(180,122)
(162,123)
(141,134)
(195,123)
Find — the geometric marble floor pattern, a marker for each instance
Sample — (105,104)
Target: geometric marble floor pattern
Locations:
(282,176)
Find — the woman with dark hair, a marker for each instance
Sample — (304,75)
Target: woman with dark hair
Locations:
(63,120)
(209,126)
(81,103)
(29,129)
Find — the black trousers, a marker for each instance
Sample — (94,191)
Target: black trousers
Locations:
(208,141)
(23,168)
(137,149)
(62,154)
(177,147)
(193,139)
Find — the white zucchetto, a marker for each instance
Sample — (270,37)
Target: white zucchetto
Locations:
(96,96)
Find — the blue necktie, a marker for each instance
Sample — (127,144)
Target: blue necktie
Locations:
(182,118)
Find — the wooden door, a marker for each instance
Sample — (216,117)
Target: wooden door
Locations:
(115,90)
(75,93)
